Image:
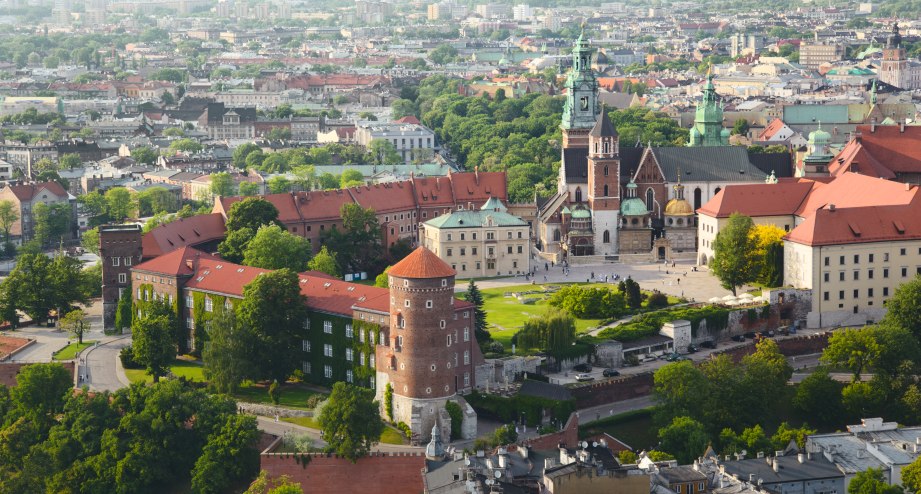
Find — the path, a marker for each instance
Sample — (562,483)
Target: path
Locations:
(101,367)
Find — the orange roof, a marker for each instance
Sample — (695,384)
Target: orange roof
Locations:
(326,205)
(772,128)
(179,262)
(851,190)
(478,187)
(859,225)
(755,200)
(386,197)
(422,263)
(25,192)
(433,191)
(193,230)
(883,151)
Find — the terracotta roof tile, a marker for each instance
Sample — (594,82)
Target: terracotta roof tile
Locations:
(175,263)
(422,263)
(883,151)
(386,197)
(758,199)
(25,192)
(859,225)
(193,230)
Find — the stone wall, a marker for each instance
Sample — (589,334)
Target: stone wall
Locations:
(609,353)
(618,389)
(271,410)
(319,472)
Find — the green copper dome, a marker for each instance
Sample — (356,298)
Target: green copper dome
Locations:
(633,207)
(581,214)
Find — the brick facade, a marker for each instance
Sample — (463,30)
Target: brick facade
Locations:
(119,249)
(380,472)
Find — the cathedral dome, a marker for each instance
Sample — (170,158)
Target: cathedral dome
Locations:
(581,214)
(819,136)
(679,207)
(633,207)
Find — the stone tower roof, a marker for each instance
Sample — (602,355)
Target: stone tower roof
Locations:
(422,263)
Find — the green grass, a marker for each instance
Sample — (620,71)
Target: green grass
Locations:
(292,395)
(506,315)
(180,368)
(70,351)
(389,436)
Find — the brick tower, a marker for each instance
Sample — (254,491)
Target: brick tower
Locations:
(422,363)
(119,249)
(604,184)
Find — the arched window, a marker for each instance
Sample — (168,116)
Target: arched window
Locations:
(634,221)
(578,194)
(606,237)
(596,147)
(607,147)
(717,191)
(605,170)
(650,200)
(605,189)
(697,197)
(556,235)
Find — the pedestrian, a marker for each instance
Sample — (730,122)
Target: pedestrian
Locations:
(593,275)
(545,277)
(545,267)
(276,418)
(679,281)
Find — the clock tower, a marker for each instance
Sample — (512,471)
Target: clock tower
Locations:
(580,108)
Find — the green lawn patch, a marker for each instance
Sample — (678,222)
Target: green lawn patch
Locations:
(391,436)
(70,351)
(303,422)
(292,395)
(180,368)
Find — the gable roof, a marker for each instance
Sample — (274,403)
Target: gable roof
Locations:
(26,192)
(773,128)
(385,197)
(183,232)
(881,151)
(754,200)
(708,164)
(179,262)
(421,264)
(852,190)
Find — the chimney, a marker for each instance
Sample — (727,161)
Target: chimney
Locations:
(831,207)
(902,126)
(476,174)
(767,459)
(808,456)
(801,458)
(775,465)
(907,186)
(751,478)
(778,453)
(873,124)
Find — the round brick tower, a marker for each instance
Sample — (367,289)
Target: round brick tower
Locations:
(419,366)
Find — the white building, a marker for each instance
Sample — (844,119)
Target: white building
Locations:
(407,139)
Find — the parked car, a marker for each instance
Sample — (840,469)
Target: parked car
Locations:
(738,337)
(582,368)
(610,373)
(673,357)
(784,330)
(584,377)
(692,348)
(708,344)
(750,335)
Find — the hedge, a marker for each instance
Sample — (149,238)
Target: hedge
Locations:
(650,323)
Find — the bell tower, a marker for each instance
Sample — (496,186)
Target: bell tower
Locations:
(893,69)
(604,183)
(581,105)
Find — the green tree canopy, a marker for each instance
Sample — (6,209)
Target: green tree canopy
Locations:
(325,262)
(351,421)
(685,438)
(274,248)
(733,263)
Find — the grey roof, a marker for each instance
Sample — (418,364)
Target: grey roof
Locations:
(779,163)
(541,389)
(790,470)
(708,164)
(603,126)
(576,162)
(678,474)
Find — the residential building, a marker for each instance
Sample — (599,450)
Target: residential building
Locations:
(812,55)
(26,196)
(480,243)
(119,250)
(409,140)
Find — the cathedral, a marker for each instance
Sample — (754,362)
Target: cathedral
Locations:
(615,202)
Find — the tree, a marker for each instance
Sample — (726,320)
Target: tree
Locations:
(911,476)
(443,54)
(785,434)
(358,243)
(351,178)
(740,127)
(144,155)
(124,312)
(325,262)
(402,108)
(243,221)
(383,280)
(90,240)
(75,323)
(41,389)
(156,200)
(475,297)
(855,349)
(173,132)
(51,222)
(186,145)
(274,248)
(326,181)
(153,343)
(685,438)
(862,399)
(631,290)
(8,217)
(903,307)
(222,184)
(229,456)
(119,204)
(818,397)
(552,333)
(733,263)
(871,481)
(383,153)
(71,161)
(248,189)
(351,421)
(678,390)
(233,248)
(43,284)
(768,253)
(274,310)
(241,152)
(279,184)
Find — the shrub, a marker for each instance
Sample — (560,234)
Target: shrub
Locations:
(657,300)
(314,400)
(496,346)
(507,434)
(457,419)
(512,409)
(585,303)
(405,430)
(274,392)
(127,357)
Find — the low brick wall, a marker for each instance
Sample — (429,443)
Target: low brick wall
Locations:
(620,389)
(568,436)
(10,346)
(318,472)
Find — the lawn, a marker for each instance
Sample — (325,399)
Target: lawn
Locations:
(180,368)
(70,351)
(292,395)
(389,436)
(506,315)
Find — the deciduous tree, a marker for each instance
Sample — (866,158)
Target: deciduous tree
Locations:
(75,323)
(351,421)
(154,344)
(274,248)
(685,438)
(325,262)
(733,262)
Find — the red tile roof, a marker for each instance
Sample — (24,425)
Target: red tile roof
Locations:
(26,192)
(883,151)
(219,276)
(859,225)
(433,191)
(193,230)
(320,205)
(758,199)
(408,119)
(422,263)
(386,197)
(339,297)
(477,187)
(772,128)
(179,262)
(852,190)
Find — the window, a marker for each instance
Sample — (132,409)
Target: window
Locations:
(885,272)
(428,304)
(474,235)
(826,261)
(826,277)
(870,274)
(466,357)
(328,371)
(450,252)
(127,261)
(406,303)
(519,249)
(305,345)
(189,323)
(306,367)
(490,235)
(361,358)
(473,251)
(328,327)
(371,361)
(349,354)
(361,334)
(856,258)
(700,486)
(449,340)
(869,257)
(519,235)
(885,291)
(466,379)
(450,237)
(841,276)
(463,251)
(856,275)
(841,295)
(444,283)
(466,334)
(209,305)
(122,278)
(348,330)
(116,261)
(466,314)
(327,350)
(188,299)
(902,252)
(678,488)
(885,257)
(856,293)
(442,324)
(825,296)
(869,292)
(349,376)
(904,272)
(399,342)
(463,236)
(841,260)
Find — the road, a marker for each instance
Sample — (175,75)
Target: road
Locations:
(101,369)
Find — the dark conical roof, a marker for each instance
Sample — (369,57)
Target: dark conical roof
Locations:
(603,126)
